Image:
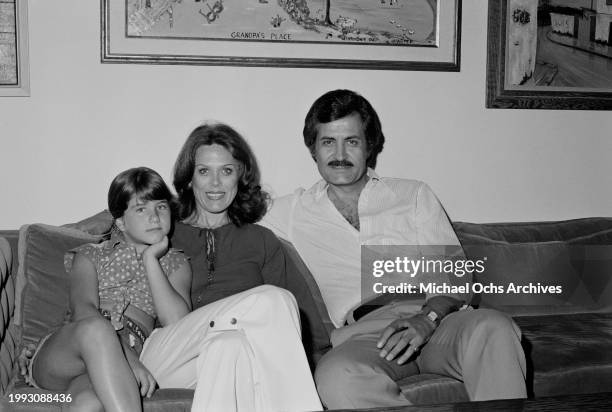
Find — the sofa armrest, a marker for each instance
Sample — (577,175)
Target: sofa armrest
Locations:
(8,335)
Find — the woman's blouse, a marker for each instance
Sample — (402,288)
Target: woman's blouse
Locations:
(244,257)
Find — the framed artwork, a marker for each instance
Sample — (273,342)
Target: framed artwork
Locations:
(14,74)
(549,54)
(349,34)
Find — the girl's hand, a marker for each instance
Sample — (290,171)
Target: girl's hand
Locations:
(24,359)
(144,378)
(156,250)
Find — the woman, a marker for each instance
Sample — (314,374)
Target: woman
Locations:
(240,347)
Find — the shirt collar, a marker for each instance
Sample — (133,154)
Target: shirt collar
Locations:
(322,185)
(116,238)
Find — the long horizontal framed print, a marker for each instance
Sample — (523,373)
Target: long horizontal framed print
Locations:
(350,34)
(549,54)
(14,65)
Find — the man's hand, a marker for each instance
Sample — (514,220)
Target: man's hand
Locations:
(144,378)
(25,357)
(156,250)
(407,335)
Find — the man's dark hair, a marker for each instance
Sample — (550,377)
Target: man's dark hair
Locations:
(337,104)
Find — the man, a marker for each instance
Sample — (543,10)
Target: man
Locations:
(352,206)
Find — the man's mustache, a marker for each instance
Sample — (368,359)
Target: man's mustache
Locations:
(340,163)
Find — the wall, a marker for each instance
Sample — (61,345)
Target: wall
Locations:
(86,121)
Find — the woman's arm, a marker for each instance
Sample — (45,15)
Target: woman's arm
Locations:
(84,298)
(170,294)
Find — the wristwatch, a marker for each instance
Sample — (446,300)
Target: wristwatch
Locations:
(432,316)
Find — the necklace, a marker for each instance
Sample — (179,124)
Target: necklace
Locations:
(211,249)
(210,255)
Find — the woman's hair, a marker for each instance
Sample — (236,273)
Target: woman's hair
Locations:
(337,104)
(250,203)
(140,182)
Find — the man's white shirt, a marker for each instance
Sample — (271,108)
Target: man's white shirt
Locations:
(391,212)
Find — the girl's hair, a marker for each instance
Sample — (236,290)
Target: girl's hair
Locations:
(250,203)
(140,182)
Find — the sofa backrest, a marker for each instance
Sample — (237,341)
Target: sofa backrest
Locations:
(572,256)
(7,306)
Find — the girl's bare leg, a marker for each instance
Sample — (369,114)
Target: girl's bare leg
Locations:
(89,346)
(84,398)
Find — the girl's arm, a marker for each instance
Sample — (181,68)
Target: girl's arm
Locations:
(170,294)
(84,299)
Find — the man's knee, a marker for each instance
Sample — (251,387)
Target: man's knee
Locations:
(487,329)
(491,323)
(334,376)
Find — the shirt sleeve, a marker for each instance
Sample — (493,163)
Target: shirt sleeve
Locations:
(278,216)
(172,260)
(437,239)
(90,251)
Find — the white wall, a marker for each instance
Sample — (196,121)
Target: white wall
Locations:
(86,121)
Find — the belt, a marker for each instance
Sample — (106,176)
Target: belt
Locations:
(363,310)
(383,300)
(133,329)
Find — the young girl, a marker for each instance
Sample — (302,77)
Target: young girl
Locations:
(117,289)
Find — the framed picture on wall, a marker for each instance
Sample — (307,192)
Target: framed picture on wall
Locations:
(14,67)
(349,34)
(549,54)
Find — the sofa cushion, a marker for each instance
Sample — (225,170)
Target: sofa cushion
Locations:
(575,257)
(42,290)
(568,353)
(428,388)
